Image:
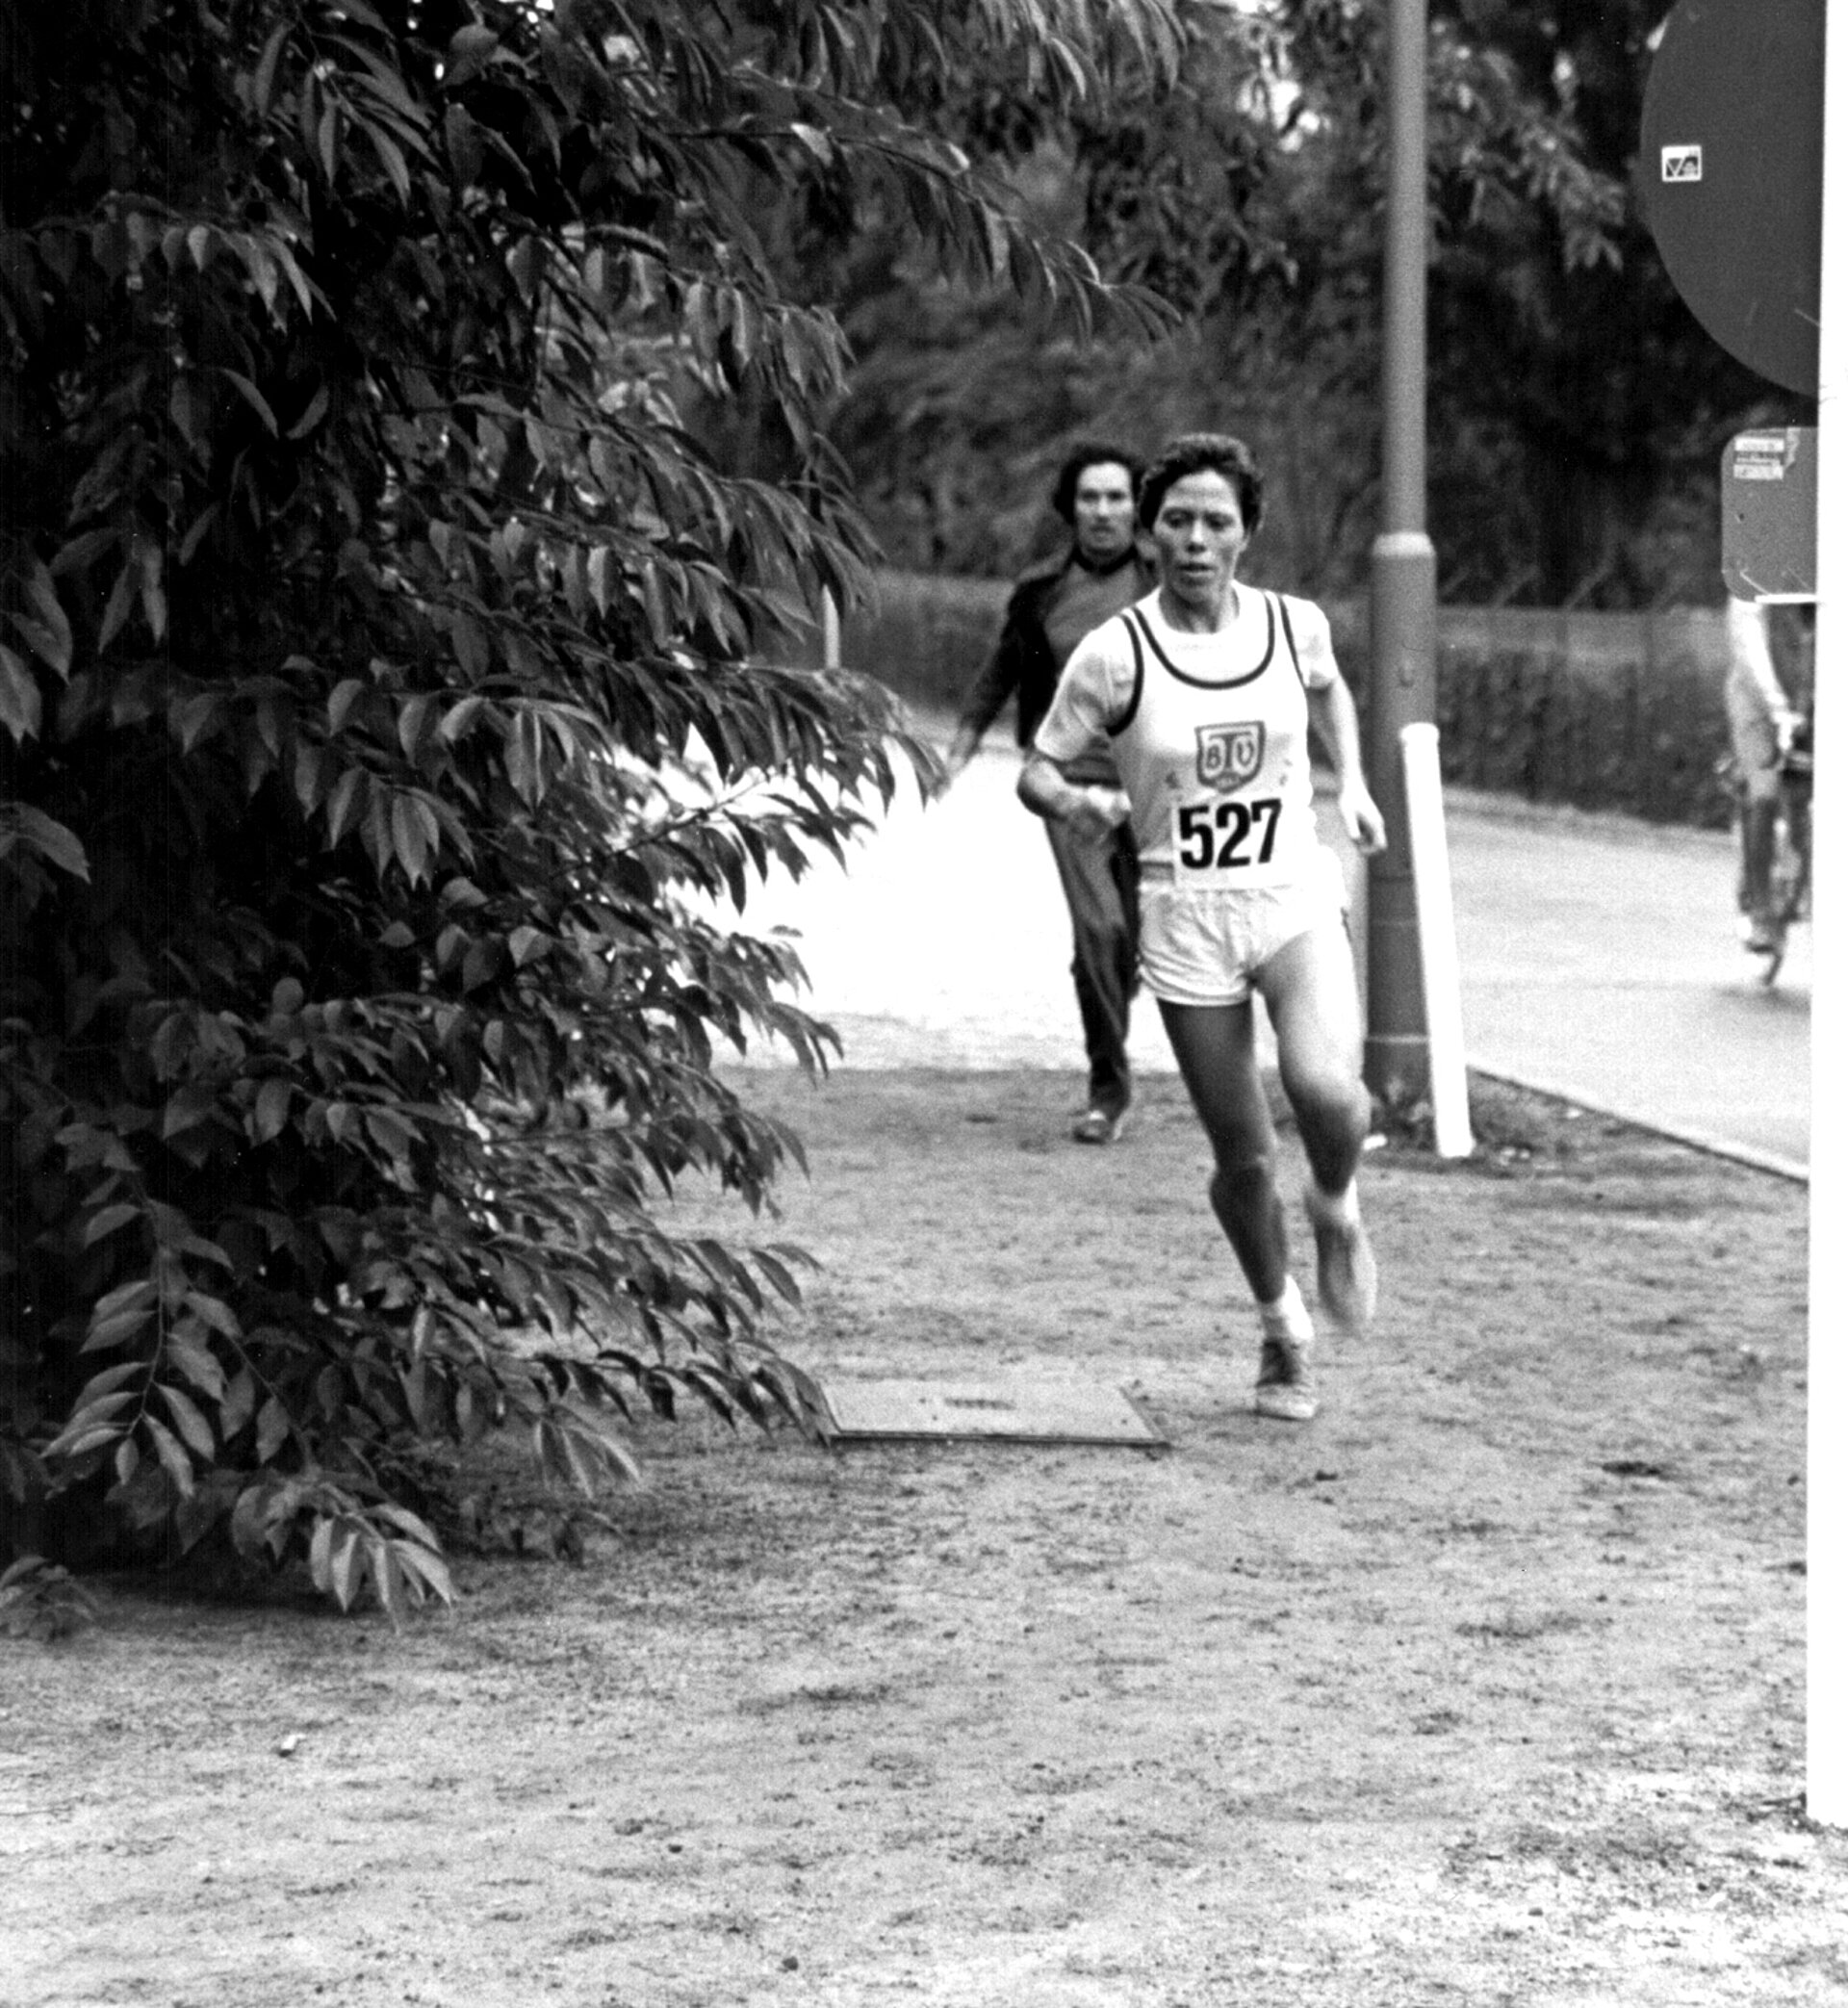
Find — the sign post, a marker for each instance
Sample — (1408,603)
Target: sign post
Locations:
(1744,155)
(1768,515)
(1827,1581)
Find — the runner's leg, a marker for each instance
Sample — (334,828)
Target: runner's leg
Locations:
(1215,1046)
(1103,958)
(1308,988)
(1125,872)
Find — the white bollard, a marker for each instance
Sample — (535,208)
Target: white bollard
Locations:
(1437,940)
(829,632)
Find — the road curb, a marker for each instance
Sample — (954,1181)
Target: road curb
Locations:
(1774,1161)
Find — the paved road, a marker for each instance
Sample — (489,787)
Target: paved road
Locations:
(1599,960)
(1596,955)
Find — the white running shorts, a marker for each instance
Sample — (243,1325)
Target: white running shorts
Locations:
(1204,946)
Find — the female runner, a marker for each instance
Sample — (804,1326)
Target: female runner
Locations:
(1204,692)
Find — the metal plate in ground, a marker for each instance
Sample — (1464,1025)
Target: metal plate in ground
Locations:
(1019,1409)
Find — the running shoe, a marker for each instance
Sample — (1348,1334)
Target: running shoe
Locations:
(1099,1127)
(1286,1391)
(1347,1276)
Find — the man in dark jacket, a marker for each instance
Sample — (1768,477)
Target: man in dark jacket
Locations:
(1052,608)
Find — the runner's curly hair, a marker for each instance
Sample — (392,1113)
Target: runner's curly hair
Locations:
(1089,453)
(1203,453)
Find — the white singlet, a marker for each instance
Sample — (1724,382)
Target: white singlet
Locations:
(1210,734)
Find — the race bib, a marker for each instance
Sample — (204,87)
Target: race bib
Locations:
(1232,837)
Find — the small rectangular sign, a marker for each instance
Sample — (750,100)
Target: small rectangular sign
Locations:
(1747,467)
(1680,163)
(1768,514)
(1763,456)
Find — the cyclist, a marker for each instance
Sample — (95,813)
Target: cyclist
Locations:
(1765,726)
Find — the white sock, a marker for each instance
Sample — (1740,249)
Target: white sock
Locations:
(1289,1316)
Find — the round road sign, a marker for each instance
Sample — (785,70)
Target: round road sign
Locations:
(1730,175)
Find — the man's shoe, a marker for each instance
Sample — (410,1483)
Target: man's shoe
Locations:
(1347,1276)
(1285,1391)
(1099,1127)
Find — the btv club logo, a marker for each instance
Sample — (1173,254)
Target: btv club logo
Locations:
(1228,755)
(1680,163)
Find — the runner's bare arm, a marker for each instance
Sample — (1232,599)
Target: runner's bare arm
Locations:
(1093,811)
(1331,713)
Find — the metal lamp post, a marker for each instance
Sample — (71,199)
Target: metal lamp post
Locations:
(1404,585)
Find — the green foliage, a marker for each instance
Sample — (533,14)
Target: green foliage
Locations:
(40,1600)
(1583,409)
(1577,412)
(393,698)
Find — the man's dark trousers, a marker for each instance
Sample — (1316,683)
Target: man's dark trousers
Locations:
(1098,875)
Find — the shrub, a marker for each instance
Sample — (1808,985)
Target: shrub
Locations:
(394,697)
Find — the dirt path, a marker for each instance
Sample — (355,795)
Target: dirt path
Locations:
(1485,1688)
